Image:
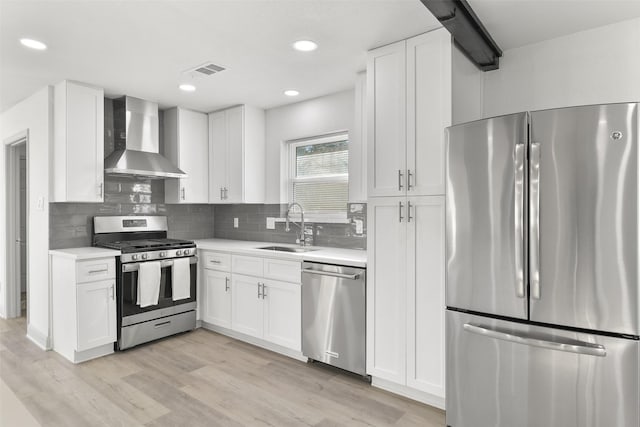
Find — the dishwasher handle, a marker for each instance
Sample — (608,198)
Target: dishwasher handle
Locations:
(355,276)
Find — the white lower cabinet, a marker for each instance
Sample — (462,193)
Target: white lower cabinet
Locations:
(282,314)
(267,309)
(96,306)
(216,297)
(405,295)
(247,304)
(253,297)
(84,306)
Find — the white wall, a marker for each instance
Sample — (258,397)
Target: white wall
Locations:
(330,113)
(466,89)
(596,66)
(34,115)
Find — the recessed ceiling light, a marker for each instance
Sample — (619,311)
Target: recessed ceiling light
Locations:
(305,45)
(33,44)
(291,92)
(187,87)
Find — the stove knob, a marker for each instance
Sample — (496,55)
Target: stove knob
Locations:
(187,251)
(144,256)
(134,257)
(178,252)
(163,254)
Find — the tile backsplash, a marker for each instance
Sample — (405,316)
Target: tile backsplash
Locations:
(252,221)
(71,224)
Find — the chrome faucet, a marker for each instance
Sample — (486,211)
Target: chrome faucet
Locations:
(301,225)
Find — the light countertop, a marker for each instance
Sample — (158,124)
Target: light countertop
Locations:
(349,257)
(88,252)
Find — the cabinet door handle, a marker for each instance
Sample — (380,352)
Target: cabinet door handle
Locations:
(400,217)
(409,217)
(226,193)
(409,175)
(113,292)
(182,193)
(221,195)
(400,176)
(226,284)
(259,290)
(264,291)
(101,190)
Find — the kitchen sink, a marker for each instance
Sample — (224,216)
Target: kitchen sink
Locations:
(287,249)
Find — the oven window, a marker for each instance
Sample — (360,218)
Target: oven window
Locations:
(128,292)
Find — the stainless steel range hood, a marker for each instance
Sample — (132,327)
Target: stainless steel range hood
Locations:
(137,145)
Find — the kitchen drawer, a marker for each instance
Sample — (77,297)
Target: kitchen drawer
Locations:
(216,260)
(249,265)
(95,269)
(287,271)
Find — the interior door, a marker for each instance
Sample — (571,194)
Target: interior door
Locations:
(584,243)
(485,216)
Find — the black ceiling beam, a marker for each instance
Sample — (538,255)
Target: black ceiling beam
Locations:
(468,32)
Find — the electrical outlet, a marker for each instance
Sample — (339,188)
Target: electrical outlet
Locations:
(235,222)
(271,223)
(359,226)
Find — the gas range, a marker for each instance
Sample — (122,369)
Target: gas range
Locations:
(151,249)
(142,240)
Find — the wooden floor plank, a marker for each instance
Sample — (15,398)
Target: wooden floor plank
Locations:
(200,378)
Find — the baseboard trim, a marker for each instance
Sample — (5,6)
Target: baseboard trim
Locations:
(38,338)
(411,393)
(255,341)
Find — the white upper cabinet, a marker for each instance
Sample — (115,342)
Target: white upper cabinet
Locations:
(186,145)
(78,143)
(236,155)
(409,105)
(386,120)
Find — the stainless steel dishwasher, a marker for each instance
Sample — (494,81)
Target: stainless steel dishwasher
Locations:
(333,315)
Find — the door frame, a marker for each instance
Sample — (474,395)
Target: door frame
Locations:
(12,215)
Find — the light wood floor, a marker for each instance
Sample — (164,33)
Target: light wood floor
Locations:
(196,379)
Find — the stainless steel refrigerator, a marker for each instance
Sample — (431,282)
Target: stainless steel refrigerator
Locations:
(543,318)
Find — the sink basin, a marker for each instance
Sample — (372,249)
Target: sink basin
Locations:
(287,249)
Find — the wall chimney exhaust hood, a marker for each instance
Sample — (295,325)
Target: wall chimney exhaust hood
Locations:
(136,141)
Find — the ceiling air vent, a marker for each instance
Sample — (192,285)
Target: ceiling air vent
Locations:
(206,69)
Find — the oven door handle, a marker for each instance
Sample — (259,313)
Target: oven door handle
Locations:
(135,266)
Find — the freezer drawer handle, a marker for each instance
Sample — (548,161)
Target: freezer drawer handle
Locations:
(332,274)
(571,347)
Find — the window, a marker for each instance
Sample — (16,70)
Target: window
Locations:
(319,174)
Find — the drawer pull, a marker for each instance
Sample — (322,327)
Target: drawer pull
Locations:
(215,261)
(98,271)
(161,324)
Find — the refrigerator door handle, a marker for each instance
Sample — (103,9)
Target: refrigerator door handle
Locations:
(518,218)
(570,346)
(534,219)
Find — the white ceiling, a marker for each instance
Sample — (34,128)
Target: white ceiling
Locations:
(142,48)
(515,23)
